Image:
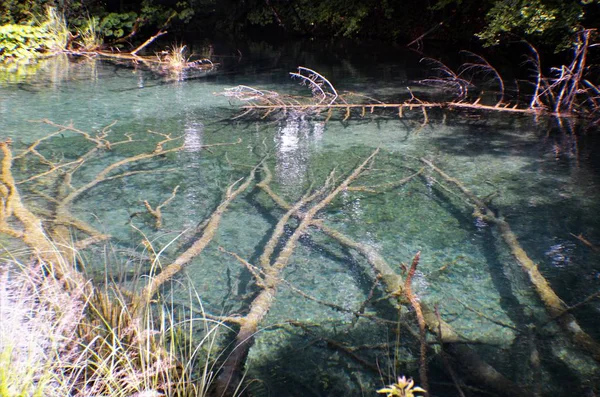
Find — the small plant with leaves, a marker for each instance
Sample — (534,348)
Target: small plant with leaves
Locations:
(23,42)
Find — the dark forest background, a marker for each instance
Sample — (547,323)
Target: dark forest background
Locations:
(550,25)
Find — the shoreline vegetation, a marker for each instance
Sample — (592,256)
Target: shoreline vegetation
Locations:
(50,35)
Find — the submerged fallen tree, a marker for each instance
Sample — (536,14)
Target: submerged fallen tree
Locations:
(118,323)
(396,287)
(556,307)
(121,315)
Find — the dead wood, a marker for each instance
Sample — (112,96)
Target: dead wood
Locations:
(474,366)
(148,42)
(260,306)
(568,94)
(554,305)
(417,307)
(198,246)
(29,227)
(586,242)
(445,360)
(157,212)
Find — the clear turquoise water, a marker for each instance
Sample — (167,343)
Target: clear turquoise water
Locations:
(546,180)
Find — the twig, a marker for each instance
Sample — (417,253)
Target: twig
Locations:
(147,42)
(156,212)
(586,242)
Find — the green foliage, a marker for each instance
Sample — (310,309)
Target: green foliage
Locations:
(544,22)
(28,41)
(22,382)
(115,25)
(21,41)
(548,22)
(345,17)
(111,24)
(20,11)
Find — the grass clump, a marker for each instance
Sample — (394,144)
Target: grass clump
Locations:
(58,339)
(38,343)
(89,36)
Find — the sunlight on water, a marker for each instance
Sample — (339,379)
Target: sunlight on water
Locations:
(542,181)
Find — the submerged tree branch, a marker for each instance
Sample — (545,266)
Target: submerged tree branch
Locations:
(262,303)
(554,305)
(198,246)
(474,366)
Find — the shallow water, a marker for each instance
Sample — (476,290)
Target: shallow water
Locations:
(542,179)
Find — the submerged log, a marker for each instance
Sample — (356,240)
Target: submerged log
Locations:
(198,246)
(260,306)
(472,364)
(31,232)
(555,306)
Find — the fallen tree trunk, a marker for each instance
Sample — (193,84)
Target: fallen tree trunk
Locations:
(476,368)
(554,305)
(270,280)
(32,232)
(198,246)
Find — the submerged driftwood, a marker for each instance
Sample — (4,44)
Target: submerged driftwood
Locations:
(555,306)
(20,222)
(475,367)
(270,277)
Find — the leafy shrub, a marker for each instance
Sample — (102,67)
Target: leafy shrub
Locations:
(23,41)
(114,25)
(49,33)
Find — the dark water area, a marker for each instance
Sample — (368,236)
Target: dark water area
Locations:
(542,178)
